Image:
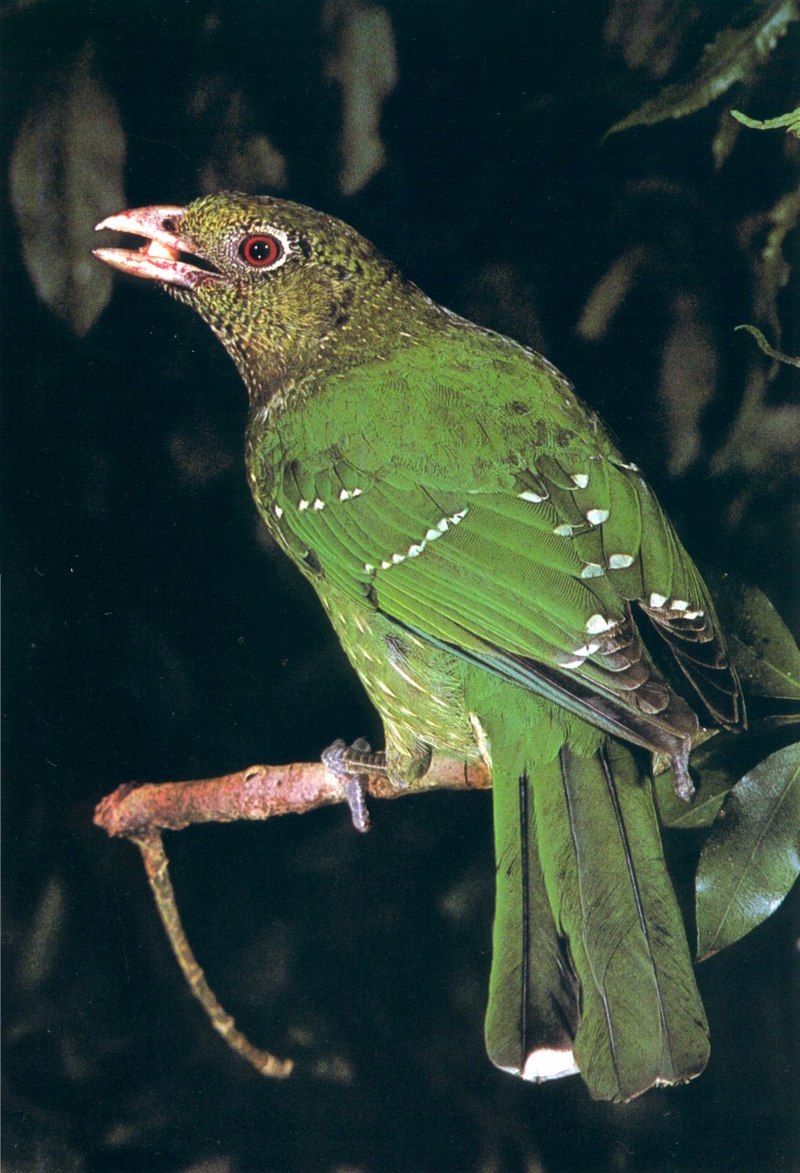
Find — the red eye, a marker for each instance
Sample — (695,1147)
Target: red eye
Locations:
(262,251)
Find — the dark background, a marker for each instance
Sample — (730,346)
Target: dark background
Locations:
(152,632)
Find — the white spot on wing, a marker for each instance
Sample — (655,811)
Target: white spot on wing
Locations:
(620,561)
(657,600)
(301,505)
(597,516)
(597,624)
(416,548)
(536,498)
(580,479)
(318,503)
(679,605)
(564,531)
(588,649)
(592,570)
(277,511)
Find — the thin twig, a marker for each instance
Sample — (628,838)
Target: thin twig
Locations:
(157,869)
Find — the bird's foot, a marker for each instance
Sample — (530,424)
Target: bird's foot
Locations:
(352,765)
(682,782)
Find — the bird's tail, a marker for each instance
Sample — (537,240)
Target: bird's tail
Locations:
(591,969)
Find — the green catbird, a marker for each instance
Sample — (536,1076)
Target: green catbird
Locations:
(504,583)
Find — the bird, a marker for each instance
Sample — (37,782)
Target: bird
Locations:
(507,588)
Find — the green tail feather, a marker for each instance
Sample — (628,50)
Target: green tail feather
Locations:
(642,1020)
(584,901)
(533,992)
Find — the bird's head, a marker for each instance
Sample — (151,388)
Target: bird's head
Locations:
(285,288)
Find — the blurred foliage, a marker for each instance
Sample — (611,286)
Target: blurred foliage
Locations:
(155,632)
(363,63)
(733,56)
(71,142)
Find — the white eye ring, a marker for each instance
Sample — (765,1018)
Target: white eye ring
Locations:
(269,236)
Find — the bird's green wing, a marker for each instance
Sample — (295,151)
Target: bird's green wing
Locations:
(486,510)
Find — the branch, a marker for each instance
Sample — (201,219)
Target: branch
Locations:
(259,792)
(141,812)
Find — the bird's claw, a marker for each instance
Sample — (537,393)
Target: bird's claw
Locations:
(350,764)
(682,782)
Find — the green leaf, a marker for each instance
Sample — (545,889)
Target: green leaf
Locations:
(732,56)
(750,863)
(791,121)
(759,438)
(767,348)
(762,648)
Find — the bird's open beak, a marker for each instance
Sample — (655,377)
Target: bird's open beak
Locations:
(166,256)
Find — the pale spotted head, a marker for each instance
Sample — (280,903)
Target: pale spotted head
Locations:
(280,284)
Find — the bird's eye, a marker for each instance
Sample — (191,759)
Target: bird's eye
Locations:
(261,251)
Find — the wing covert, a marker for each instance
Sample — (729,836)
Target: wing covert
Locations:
(535,552)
